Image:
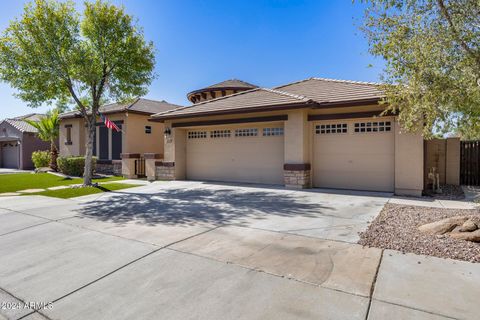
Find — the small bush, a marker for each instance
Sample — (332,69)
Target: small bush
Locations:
(73,166)
(41,159)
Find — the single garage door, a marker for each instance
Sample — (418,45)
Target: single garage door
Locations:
(251,154)
(10,152)
(354,154)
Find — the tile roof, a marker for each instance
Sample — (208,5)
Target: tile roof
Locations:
(21,125)
(30,116)
(138,105)
(325,91)
(241,101)
(232,83)
(313,91)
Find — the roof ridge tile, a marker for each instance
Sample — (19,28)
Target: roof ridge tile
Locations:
(347,81)
(285,93)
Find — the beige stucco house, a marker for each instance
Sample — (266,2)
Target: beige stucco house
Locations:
(137,136)
(312,133)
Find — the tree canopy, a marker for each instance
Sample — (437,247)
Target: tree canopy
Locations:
(54,54)
(432,54)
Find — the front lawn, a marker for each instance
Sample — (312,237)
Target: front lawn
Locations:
(21,181)
(77,192)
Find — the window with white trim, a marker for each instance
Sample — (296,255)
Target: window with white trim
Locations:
(373,126)
(249,132)
(197,134)
(273,132)
(220,134)
(331,128)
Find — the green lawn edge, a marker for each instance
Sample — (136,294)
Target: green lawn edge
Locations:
(84,191)
(22,181)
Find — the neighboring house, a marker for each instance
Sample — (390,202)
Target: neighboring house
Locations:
(137,135)
(312,133)
(18,140)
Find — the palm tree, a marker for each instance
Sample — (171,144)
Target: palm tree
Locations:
(48,130)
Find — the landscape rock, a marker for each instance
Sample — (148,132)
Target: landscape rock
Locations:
(444,225)
(468,236)
(468,226)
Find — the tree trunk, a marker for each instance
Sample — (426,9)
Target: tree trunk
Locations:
(53,156)
(88,170)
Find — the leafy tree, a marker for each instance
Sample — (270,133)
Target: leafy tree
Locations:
(432,53)
(52,54)
(48,130)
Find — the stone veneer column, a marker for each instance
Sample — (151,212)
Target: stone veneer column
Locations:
(175,153)
(297,175)
(296,169)
(128,164)
(165,170)
(150,168)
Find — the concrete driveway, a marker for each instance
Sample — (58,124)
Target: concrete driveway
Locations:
(191,250)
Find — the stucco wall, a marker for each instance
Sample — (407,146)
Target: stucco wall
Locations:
(137,141)
(31,143)
(408,162)
(297,137)
(78,135)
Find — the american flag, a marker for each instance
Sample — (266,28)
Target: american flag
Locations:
(109,123)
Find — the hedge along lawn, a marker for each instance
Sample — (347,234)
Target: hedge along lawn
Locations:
(78,192)
(21,181)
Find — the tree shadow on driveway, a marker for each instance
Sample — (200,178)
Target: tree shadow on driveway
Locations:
(174,206)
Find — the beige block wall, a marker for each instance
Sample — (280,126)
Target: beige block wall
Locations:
(443,154)
(136,140)
(78,137)
(453,161)
(408,162)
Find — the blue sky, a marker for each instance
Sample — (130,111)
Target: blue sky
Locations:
(267,43)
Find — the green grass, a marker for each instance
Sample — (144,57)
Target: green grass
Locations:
(21,181)
(77,192)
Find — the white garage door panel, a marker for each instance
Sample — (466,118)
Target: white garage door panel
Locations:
(10,155)
(236,159)
(362,161)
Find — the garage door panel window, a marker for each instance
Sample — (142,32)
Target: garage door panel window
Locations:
(249,132)
(331,128)
(373,126)
(220,134)
(197,134)
(268,132)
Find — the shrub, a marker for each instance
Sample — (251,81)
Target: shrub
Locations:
(41,159)
(73,166)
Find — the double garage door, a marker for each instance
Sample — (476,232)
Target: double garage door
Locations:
(347,154)
(252,154)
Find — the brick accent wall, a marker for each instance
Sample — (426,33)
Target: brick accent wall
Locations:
(165,170)
(117,167)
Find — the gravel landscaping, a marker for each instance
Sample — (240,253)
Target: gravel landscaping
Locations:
(396,227)
(449,192)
